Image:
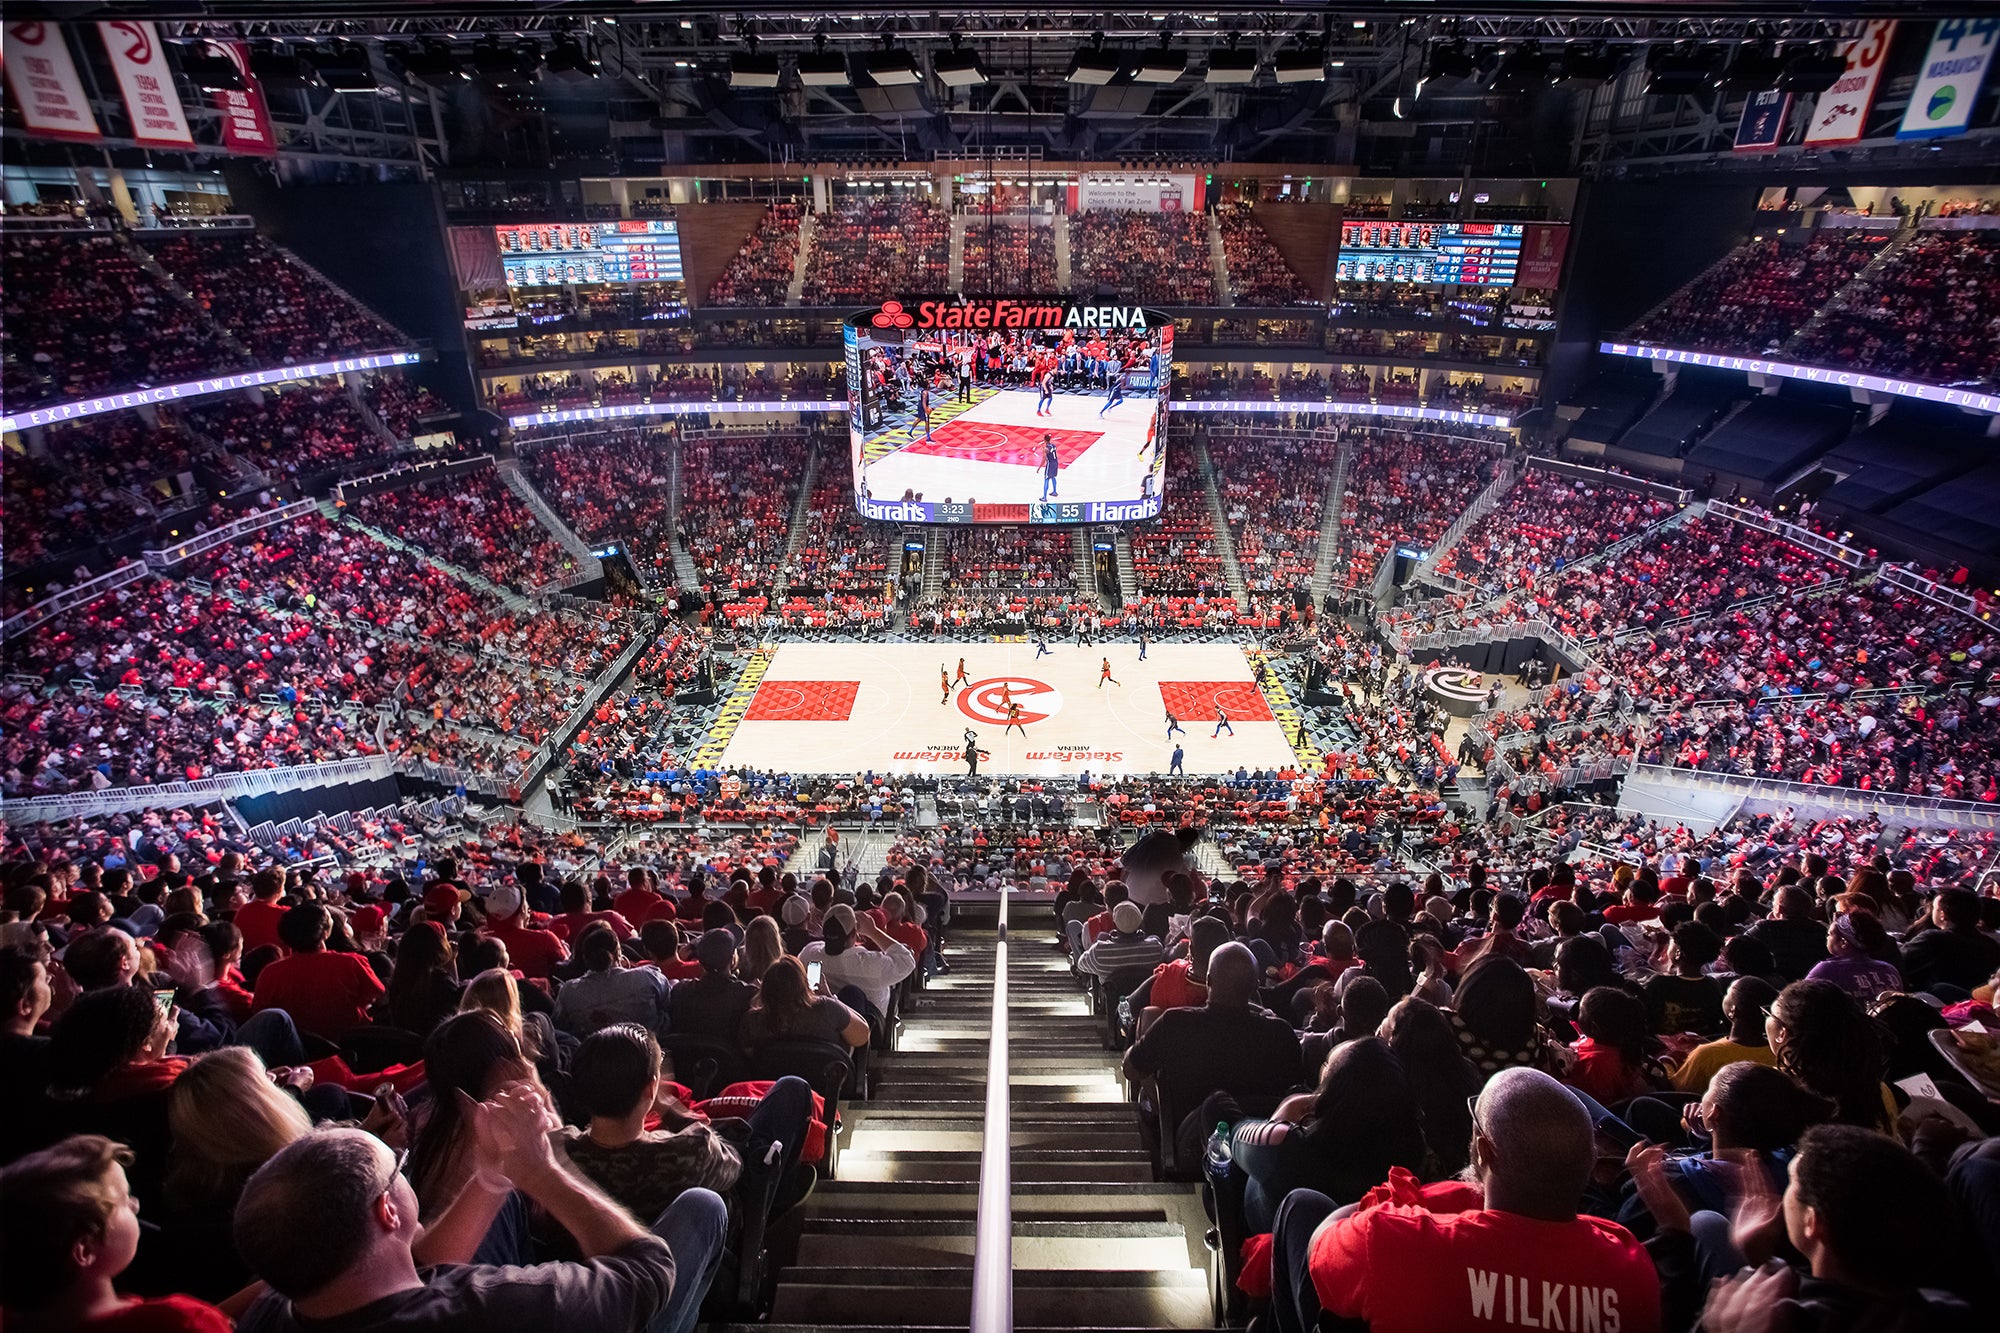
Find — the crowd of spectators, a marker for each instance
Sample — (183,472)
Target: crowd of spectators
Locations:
(839,574)
(474,521)
(610,486)
(82,315)
(401,403)
(1175,557)
(1546,522)
(1005,260)
(1761,293)
(737,496)
(1258,273)
(292,433)
(94,480)
(1274,497)
(1927,313)
(861,250)
(276,308)
(1403,488)
(1159,258)
(761,272)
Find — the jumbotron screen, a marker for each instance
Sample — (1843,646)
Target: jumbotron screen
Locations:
(556,254)
(1474,253)
(1008,410)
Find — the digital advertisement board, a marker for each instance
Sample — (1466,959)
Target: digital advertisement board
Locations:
(556,254)
(1008,410)
(1475,253)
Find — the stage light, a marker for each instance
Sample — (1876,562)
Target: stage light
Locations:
(1162,64)
(1450,60)
(958,67)
(1682,70)
(434,63)
(1522,70)
(892,68)
(505,65)
(208,71)
(1231,64)
(1591,62)
(1813,70)
(344,67)
(1300,64)
(751,69)
(821,68)
(1093,64)
(569,62)
(1752,69)
(281,68)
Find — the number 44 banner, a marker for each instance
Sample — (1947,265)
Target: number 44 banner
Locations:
(1948,84)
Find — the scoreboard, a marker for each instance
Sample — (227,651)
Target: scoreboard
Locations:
(555,254)
(1484,254)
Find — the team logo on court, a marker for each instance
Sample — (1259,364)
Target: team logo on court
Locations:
(1458,683)
(986,700)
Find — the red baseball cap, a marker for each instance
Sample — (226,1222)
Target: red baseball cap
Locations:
(440,899)
(367,920)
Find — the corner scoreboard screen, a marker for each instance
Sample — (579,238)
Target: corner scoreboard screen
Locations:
(1482,254)
(556,254)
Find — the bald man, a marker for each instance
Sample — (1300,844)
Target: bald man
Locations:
(1230,1044)
(1509,1249)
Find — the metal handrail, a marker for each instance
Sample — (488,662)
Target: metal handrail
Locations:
(993,1233)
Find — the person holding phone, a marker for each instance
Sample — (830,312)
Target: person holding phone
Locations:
(789,1004)
(861,964)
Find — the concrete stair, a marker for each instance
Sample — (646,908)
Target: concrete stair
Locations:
(957,252)
(795,290)
(1219,259)
(1096,1242)
(1063,269)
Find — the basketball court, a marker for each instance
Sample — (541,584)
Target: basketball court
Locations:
(853,707)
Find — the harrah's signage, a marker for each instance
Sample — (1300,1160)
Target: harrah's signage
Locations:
(1004,314)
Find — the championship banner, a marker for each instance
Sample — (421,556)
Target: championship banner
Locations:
(43,77)
(1541,261)
(1948,84)
(146,82)
(1841,113)
(246,119)
(1763,123)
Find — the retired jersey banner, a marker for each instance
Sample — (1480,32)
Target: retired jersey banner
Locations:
(1763,123)
(43,79)
(1841,113)
(1542,247)
(1949,82)
(246,120)
(147,83)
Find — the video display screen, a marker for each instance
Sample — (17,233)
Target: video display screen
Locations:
(557,254)
(1029,410)
(1477,253)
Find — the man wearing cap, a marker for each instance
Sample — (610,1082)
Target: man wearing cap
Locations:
(1125,947)
(534,953)
(441,904)
(861,978)
(712,1004)
(792,930)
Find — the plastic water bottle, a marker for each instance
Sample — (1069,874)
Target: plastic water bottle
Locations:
(1217,1163)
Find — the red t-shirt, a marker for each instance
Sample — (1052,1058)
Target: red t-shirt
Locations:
(166,1314)
(1174,989)
(570,925)
(1486,1269)
(326,993)
(1623,912)
(641,905)
(259,924)
(534,953)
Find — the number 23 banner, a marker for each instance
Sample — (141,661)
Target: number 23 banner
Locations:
(1842,110)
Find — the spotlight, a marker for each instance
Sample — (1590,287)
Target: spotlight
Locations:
(569,62)
(1522,70)
(1591,62)
(1813,70)
(1300,64)
(1683,69)
(892,67)
(1450,60)
(505,65)
(752,69)
(344,67)
(1231,64)
(1752,69)
(958,67)
(1162,64)
(433,64)
(821,68)
(279,67)
(1093,64)
(210,71)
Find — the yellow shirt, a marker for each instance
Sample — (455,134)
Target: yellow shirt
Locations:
(1693,1073)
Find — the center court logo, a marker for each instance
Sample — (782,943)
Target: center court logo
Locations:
(984,701)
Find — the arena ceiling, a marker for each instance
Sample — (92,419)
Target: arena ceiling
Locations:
(1392,88)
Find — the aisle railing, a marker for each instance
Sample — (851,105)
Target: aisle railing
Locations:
(993,1232)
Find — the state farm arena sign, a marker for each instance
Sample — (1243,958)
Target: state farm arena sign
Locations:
(924,314)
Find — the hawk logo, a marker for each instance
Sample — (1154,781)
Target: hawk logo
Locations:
(983,700)
(892,316)
(139,46)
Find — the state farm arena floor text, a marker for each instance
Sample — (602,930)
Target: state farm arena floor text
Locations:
(852,707)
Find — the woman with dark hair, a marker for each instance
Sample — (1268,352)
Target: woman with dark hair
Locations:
(1610,1057)
(1341,1139)
(470,1056)
(423,985)
(1384,950)
(786,1007)
(607,993)
(1855,945)
(110,1049)
(1440,1077)
(1824,1040)
(1497,1016)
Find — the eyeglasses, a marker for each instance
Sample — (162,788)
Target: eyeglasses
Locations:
(395,1170)
(1472,1109)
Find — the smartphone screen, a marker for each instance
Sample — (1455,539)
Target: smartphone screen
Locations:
(164,999)
(812,975)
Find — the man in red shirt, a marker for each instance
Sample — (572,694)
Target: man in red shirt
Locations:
(258,919)
(1508,1251)
(327,994)
(638,904)
(534,953)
